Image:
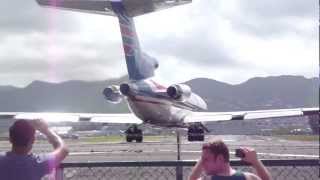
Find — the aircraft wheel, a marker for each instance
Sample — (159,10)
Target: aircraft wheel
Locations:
(201,138)
(128,139)
(195,135)
(139,136)
(201,135)
(190,138)
(139,139)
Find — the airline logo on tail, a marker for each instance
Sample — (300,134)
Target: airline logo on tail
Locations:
(126,28)
(128,42)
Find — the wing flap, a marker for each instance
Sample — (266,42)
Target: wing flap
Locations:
(133,7)
(140,7)
(273,114)
(119,119)
(249,115)
(207,118)
(51,117)
(7,115)
(88,6)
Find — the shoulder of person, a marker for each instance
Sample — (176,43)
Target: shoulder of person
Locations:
(251,176)
(43,157)
(3,154)
(204,178)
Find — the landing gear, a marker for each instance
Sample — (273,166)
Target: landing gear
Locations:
(133,133)
(196,133)
(314,123)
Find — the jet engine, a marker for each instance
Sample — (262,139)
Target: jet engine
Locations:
(112,94)
(179,92)
(125,89)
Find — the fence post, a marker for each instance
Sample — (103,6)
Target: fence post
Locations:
(59,174)
(179,172)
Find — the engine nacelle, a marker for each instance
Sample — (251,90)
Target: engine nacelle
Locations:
(112,94)
(125,89)
(179,92)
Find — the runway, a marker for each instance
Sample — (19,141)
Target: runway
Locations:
(166,149)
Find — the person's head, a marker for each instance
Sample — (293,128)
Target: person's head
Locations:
(215,156)
(22,134)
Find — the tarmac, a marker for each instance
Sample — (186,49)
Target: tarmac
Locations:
(165,149)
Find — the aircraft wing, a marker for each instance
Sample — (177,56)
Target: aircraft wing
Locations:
(74,117)
(247,115)
(89,6)
(133,7)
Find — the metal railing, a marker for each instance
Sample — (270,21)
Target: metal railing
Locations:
(303,169)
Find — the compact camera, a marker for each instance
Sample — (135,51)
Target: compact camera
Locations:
(239,153)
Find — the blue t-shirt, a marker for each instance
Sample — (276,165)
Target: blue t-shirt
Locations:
(25,167)
(237,176)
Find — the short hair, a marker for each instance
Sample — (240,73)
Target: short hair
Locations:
(217,147)
(21,133)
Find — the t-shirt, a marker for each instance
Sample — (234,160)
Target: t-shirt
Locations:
(236,176)
(25,167)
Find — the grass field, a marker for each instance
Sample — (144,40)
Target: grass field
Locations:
(118,138)
(300,137)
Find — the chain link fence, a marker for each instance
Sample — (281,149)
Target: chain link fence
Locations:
(189,151)
(305,169)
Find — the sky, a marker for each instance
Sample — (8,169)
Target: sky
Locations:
(229,41)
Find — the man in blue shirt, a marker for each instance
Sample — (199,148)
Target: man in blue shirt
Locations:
(20,163)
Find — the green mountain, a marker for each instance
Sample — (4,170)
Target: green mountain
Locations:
(82,96)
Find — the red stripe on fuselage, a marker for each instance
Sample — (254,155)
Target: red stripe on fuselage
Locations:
(158,86)
(135,98)
(138,99)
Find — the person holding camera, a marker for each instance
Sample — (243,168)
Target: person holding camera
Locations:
(214,164)
(20,162)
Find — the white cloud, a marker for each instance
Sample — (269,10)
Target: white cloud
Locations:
(229,42)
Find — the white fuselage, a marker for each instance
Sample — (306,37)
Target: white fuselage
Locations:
(151,105)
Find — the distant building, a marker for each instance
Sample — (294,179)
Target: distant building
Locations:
(257,127)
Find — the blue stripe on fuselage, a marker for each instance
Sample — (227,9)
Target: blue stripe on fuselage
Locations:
(157,96)
(149,96)
(143,97)
(139,65)
(127,41)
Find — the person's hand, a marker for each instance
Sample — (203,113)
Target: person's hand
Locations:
(200,162)
(40,125)
(250,155)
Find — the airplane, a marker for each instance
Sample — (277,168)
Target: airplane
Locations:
(152,103)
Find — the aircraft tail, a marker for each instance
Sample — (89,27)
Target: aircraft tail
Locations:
(139,64)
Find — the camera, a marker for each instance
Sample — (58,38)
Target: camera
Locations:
(239,153)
